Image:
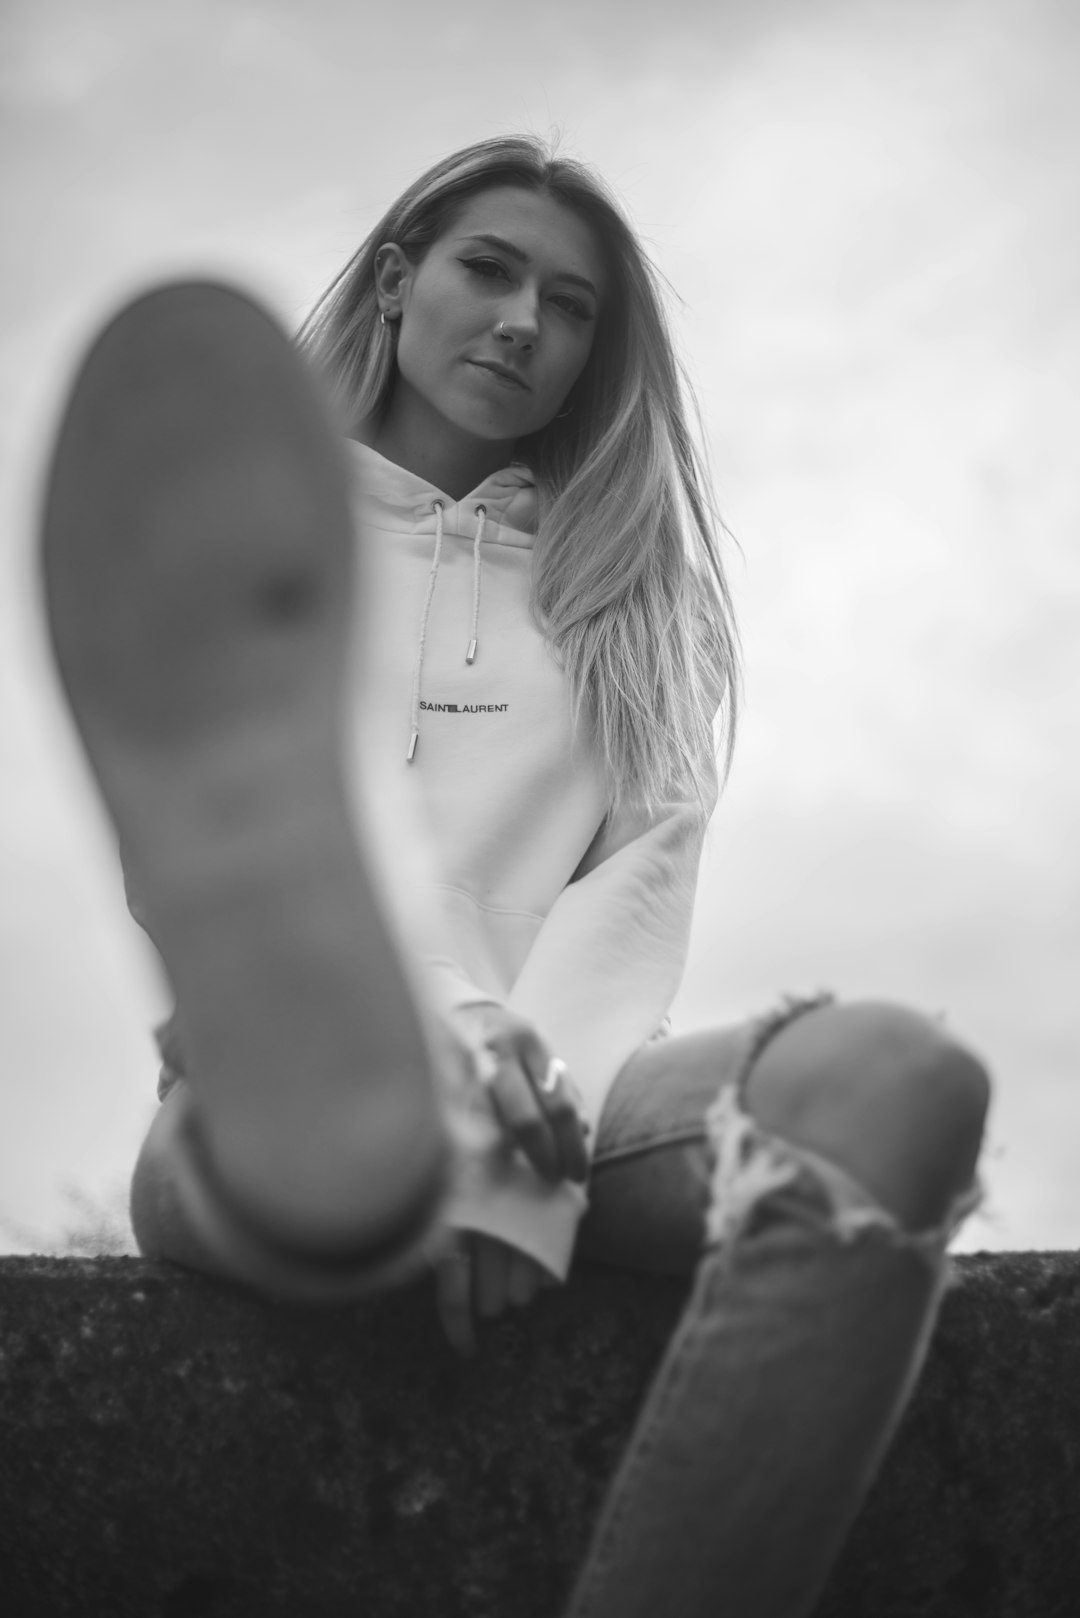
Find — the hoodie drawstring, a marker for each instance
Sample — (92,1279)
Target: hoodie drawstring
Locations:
(481,514)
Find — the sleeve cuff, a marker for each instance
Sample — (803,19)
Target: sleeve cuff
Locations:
(499,1194)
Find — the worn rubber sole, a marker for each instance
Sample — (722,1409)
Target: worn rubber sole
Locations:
(197,562)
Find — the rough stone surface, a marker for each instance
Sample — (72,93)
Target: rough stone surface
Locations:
(172,1446)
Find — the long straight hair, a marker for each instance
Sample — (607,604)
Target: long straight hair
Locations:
(628,585)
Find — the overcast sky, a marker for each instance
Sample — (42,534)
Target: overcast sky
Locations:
(869,209)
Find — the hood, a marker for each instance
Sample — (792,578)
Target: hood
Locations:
(509,497)
(502,510)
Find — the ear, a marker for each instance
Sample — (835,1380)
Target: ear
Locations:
(393,272)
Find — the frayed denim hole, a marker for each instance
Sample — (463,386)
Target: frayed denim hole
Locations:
(748,1165)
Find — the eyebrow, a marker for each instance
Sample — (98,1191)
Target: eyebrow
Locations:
(522,257)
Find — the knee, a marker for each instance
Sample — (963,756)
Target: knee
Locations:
(943,1106)
(887,1093)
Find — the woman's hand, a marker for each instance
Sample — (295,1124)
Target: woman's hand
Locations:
(539,1109)
(480,1275)
(532,1095)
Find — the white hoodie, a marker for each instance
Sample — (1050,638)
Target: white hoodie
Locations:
(544,904)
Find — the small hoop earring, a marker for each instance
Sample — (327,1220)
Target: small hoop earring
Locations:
(382,317)
(564,413)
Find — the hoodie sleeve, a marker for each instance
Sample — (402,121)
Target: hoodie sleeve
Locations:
(597,984)
(609,959)
(497,1192)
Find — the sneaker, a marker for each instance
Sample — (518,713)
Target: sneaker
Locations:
(198,564)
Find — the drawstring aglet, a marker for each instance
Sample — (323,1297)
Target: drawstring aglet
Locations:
(412,746)
(471,653)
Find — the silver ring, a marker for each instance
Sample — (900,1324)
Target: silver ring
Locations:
(556,1071)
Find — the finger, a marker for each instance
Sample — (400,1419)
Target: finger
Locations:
(524,1280)
(556,1093)
(491,1262)
(453,1283)
(570,1136)
(524,1119)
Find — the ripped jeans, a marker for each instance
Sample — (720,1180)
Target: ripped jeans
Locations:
(808,1323)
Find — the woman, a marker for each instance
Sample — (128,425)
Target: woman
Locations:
(379,945)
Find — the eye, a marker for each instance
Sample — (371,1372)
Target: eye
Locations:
(489,268)
(574,306)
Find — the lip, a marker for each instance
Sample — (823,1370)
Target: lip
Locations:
(503,372)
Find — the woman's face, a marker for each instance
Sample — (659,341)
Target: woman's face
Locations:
(498,319)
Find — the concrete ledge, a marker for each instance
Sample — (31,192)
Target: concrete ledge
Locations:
(171,1446)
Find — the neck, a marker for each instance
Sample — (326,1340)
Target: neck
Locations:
(413,436)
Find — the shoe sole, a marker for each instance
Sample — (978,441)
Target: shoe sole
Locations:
(197,560)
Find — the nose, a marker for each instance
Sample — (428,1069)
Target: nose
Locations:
(519,321)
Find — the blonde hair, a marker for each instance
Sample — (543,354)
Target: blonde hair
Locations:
(628,585)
